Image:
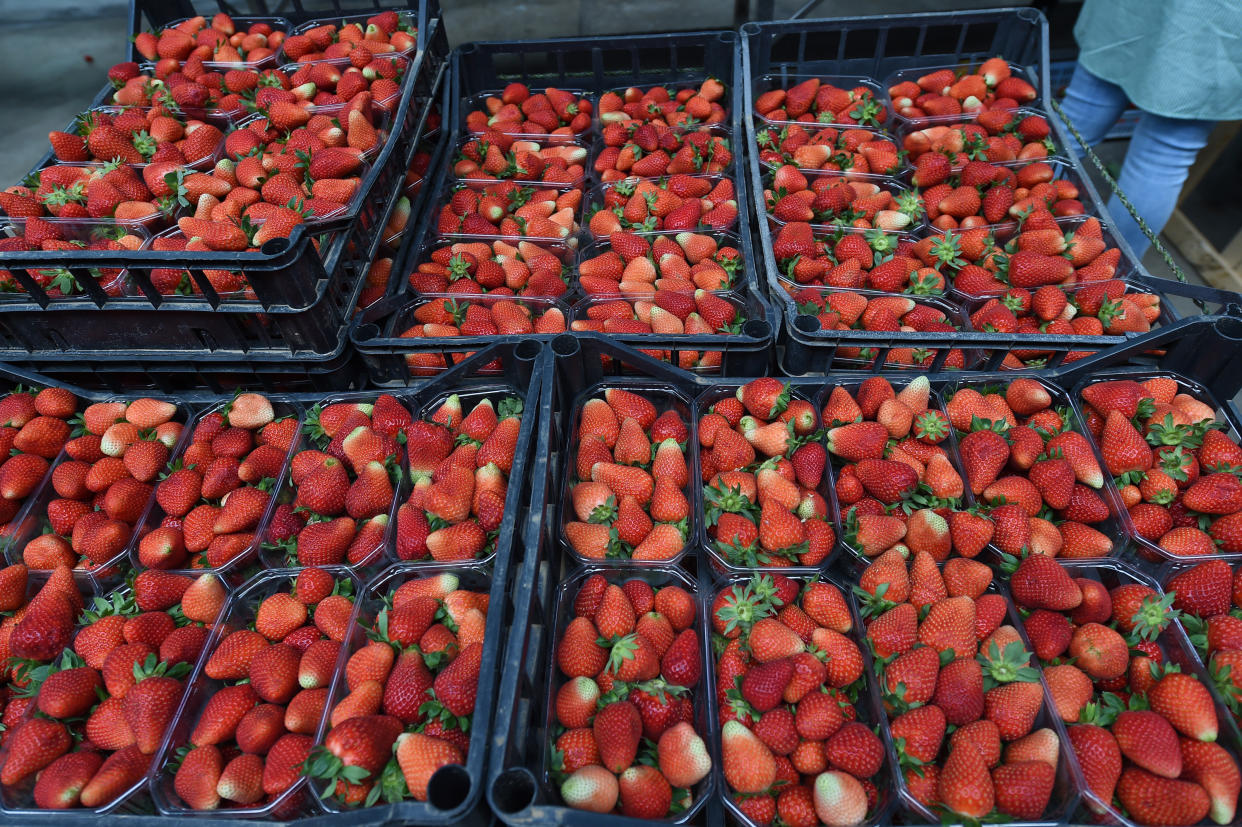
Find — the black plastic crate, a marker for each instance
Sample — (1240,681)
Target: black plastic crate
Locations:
(594,65)
(301,300)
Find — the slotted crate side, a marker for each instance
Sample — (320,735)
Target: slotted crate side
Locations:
(158,13)
(878,45)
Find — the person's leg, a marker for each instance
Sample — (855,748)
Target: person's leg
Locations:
(1093,105)
(1157,163)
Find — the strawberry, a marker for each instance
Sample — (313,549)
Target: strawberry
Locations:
(1152,799)
(749,766)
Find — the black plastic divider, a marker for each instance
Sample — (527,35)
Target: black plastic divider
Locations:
(595,64)
(302,299)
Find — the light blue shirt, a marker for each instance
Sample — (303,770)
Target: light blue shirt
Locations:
(1177,58)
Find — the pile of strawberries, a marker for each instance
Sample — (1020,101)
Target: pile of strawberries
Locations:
(871,260)
(405,705)
(638,266)
(335,83)
(495,156)
(37,234)
(790,683)
(896,482)
(625,724)
(482,316)
(527,268)
(682,107)
(211,499)
(817,101)
(991,87)
(101,488)
(650,150)
(388,31)
(1098,308)
(1172,461)
(1143,730)
(510,210)
(667,313)
(35,424)
(992,136)
(762,465)
(1208,595)
(110,190)
(984,194)
(1026,458)
(629,479)
(947,658)
(844,310)
(831,201)
(198,65)
(243,737)
(1041,253)
(517,110)
(676,203)
(342,482)
(101,709)
(138,136)
(459,466)
(851,152)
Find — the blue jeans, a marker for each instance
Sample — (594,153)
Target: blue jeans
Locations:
(1157,162)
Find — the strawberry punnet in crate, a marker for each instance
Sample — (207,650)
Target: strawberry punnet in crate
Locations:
(991,86)
(981,194)
(639,266)
(1143,730)
(680,107)
(341,485)
(762,468)
(993,136)
(101,488)
(790,683)
(678,202)
(499,267)
(520,111)
(1173,461)
(34,426)
(1209,597)
(459,464)
(947,659)
(629,664)
(816,101)
(404,706)
(508,209)
(897,486)
(668,313)
(104,705)
(630,478)
(497,156)
(385,32)
(844,257)
(844,310)
(1042,253)
(213,496)
(831,201)
(1027,461)
(459,315)
(251,735)
(851,152)
(137,137)
(653,150)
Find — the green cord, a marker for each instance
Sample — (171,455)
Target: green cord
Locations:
(1121,196)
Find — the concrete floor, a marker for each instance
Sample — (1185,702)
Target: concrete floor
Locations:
(43,91)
